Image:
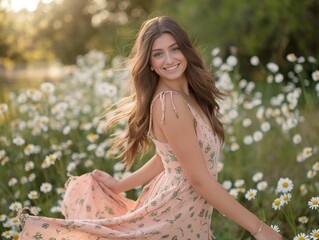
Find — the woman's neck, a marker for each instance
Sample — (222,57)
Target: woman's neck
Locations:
(180,86)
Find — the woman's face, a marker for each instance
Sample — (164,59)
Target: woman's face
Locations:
(167,59)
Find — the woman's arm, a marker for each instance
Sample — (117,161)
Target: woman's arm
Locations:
(143,175)
(181,136)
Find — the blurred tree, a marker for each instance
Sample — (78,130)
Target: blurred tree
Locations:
(269,28)
(75,26)
(65,28)
(117,22)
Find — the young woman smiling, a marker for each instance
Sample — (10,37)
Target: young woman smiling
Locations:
(173,103)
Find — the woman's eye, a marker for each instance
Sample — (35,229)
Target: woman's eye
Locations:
(157,54)
(175,49)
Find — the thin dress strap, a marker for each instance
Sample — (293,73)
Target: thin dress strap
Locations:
(161,96)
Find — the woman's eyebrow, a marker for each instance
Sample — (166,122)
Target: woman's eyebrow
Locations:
(168,47)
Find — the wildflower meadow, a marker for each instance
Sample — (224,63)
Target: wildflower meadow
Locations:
(269,160)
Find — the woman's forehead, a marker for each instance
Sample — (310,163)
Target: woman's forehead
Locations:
(164,41)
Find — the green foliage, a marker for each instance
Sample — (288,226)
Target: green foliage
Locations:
(268,28)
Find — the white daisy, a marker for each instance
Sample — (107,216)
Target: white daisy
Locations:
(303,219)
(265,126)
(234,146)
(257,176)
(258,135)
(251,194)
(23,180)
(248,140)
(2,154)
(303,189)
(31,177)
(315,166)
(119,166)
(284,185)
(215,51)
(29,166)
(3,217)
(220,166)
(307,152)
(239,182)
(55,209)
(247,122)
(3,108)
(277,204)
(231,61)
(301,236)
(46,187)
(15,206)
(92,137)
(47,87)
(279,78)
(314,234)
(13,221)
(298,68)
(12,182)
(315,75)
(285,198)
(275,227)
(60,190)
(33,195)
(254,60)
(261,186)
(18,141)
(296,139)
(313,203)
(217,62)
(227,184)
(35,210)
(6,234)
(311,174)
(272,67)
(291,57)
(233,192)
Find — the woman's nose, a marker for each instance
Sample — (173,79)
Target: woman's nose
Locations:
(169,58)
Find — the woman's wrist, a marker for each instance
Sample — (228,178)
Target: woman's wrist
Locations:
(119,187)
(261,225)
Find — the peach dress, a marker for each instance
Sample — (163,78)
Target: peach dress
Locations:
(168,207)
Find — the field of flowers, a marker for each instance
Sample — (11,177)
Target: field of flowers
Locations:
(269,161)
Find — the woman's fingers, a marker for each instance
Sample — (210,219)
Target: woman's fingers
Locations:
(101,176)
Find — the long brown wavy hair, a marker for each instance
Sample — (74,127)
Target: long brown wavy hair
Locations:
(143,81)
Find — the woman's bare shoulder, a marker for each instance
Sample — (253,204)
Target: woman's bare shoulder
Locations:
(170,104)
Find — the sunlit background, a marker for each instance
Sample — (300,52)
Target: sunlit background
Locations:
(16,5)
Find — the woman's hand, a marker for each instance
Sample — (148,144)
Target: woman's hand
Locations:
(267,233)
(107,180)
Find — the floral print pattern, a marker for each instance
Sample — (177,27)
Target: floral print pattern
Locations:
(168,207)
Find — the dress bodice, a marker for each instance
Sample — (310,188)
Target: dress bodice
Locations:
(207,139)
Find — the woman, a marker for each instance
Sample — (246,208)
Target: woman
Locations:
(175,104)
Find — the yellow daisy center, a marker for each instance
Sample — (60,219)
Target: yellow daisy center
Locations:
(308,151)
(27,148)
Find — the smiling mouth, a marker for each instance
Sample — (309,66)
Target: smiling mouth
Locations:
(171,68)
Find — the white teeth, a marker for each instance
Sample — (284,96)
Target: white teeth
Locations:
(171,68)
